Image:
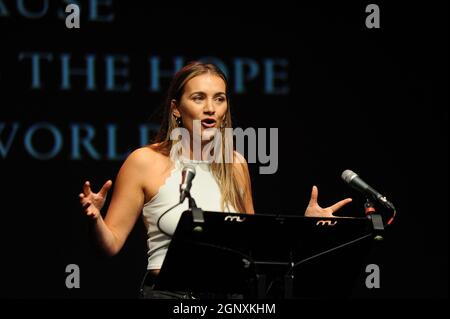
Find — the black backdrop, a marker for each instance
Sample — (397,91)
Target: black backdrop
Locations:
(341,95)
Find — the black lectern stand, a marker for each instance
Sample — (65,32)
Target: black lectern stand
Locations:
(267,256)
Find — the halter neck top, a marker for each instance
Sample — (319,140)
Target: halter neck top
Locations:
(204,190)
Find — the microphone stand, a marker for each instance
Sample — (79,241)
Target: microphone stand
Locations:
(369,207)
(197,213)
(377,220)
(192,203)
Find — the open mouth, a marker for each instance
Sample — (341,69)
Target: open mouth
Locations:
(209,122)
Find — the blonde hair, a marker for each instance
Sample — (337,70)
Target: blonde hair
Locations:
(223,171)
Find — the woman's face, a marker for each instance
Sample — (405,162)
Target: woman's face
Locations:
(204,99)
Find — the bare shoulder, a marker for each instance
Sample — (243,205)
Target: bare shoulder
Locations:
(141,156)
(242,176)
(240,167)
(145,158)
(239,162)
(239,158)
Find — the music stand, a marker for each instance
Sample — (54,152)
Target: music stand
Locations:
(218,252)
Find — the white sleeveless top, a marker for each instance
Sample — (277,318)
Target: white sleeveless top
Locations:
(204,190)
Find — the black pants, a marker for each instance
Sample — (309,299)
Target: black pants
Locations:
(148,291)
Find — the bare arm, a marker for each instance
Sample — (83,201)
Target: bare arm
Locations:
(126,203)
(92,203)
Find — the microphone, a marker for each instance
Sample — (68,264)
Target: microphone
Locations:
(187,175)
(352,179)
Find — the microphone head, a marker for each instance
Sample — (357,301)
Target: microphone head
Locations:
(187,175)
(348,175)
(188,168)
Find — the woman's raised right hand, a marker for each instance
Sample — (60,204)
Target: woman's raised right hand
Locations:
(91,202)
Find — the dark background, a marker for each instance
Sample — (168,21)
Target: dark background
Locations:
(371,100)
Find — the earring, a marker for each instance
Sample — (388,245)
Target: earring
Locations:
(178,121)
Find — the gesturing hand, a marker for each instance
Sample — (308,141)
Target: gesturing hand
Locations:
(314,210)
(91,202)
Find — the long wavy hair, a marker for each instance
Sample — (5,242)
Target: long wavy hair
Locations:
(224,172)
